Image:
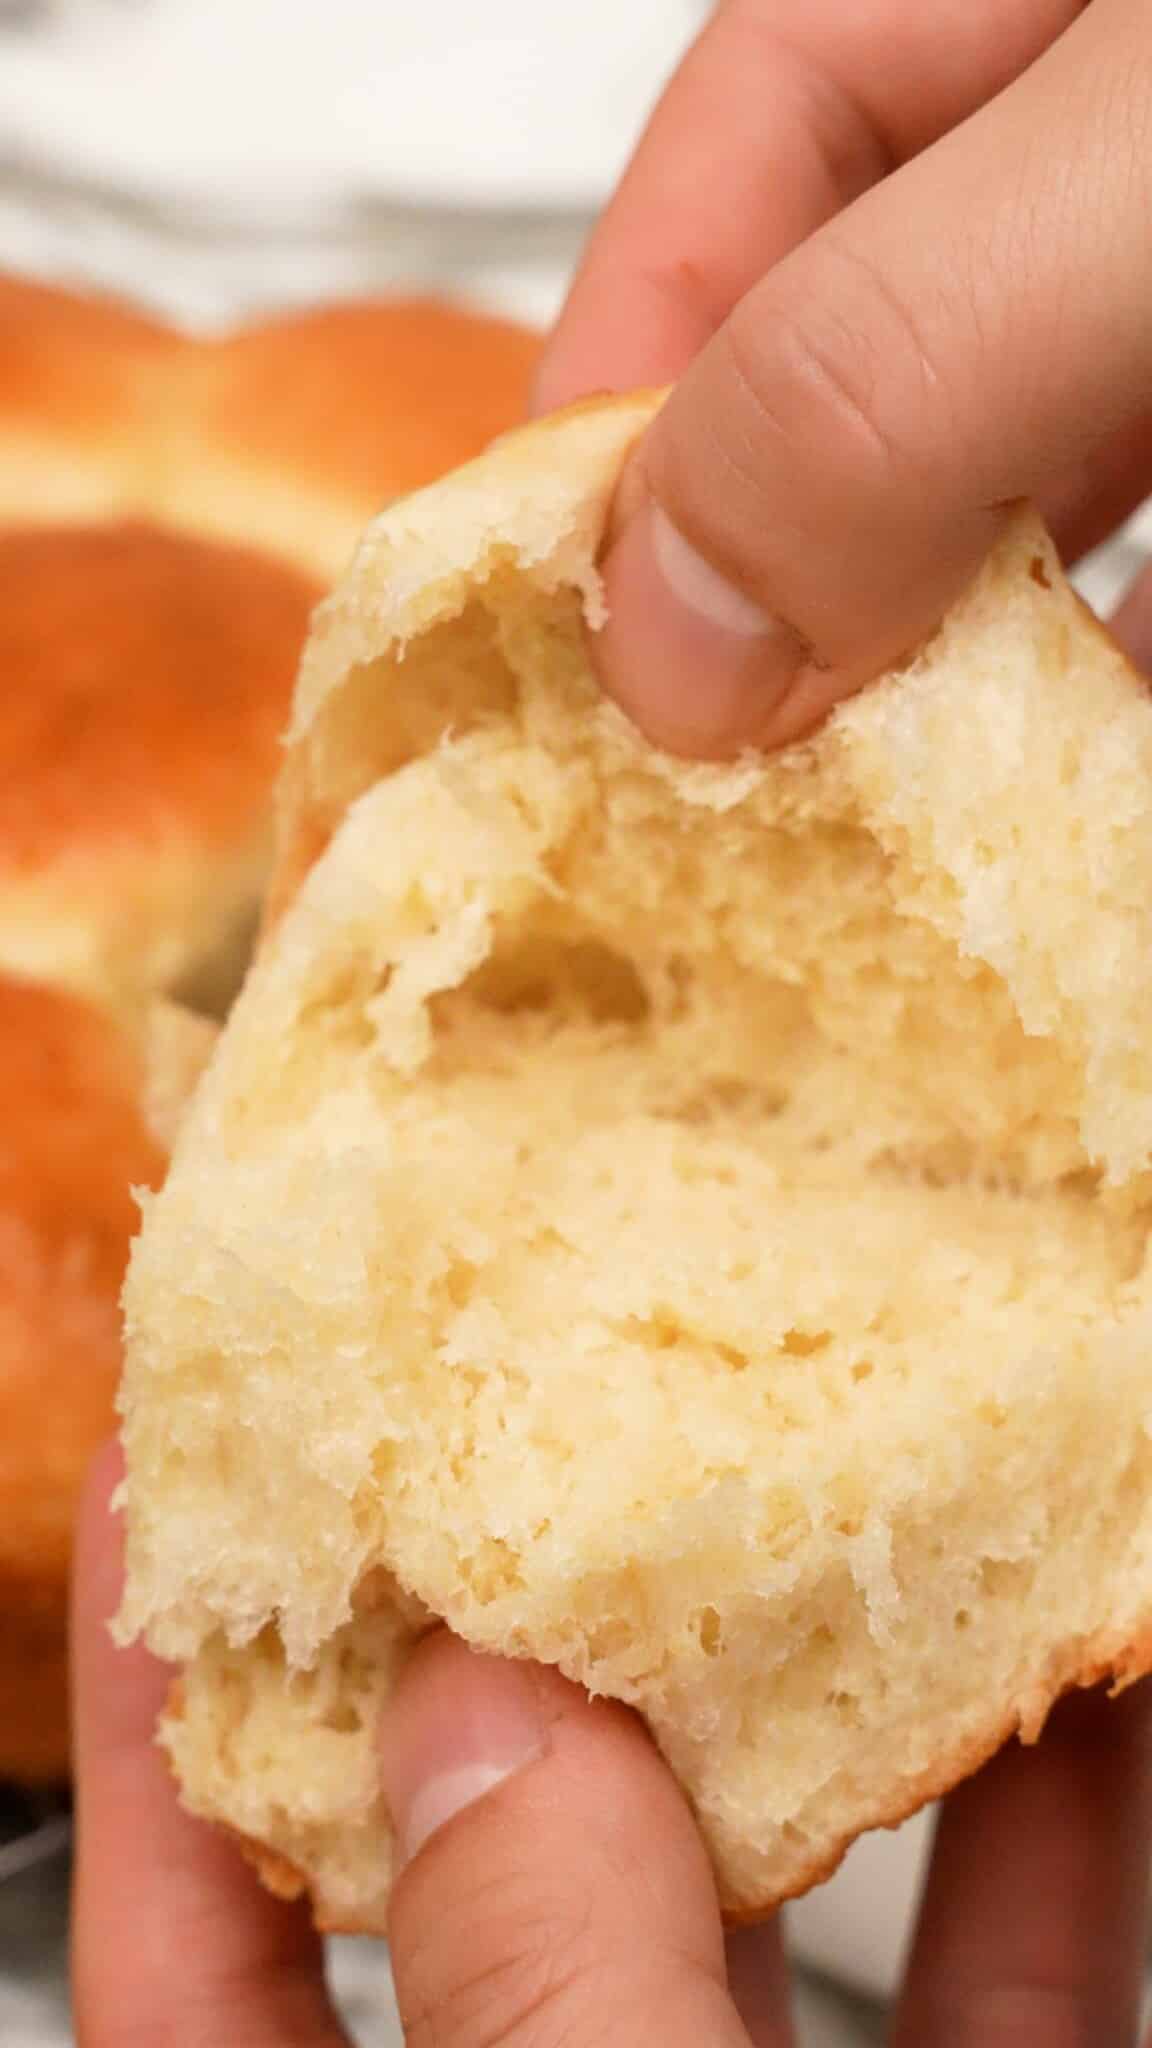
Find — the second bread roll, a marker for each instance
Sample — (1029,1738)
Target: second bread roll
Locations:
(73,1146)
(147,680)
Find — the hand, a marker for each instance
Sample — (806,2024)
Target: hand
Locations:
(556,1888)
(898,257)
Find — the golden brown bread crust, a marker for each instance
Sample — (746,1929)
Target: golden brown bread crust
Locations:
(82,380)
(290,433)
(373,397)
(147,678)
(68,358)
(147,681)
(74,1146)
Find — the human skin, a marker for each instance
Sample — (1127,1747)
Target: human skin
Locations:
(895,259)
(556,1889)
(870,368)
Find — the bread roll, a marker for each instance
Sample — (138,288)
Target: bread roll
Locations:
(288,434)
(73,1145)
(685,1223)
(147,680)
(83,385)
(295,432)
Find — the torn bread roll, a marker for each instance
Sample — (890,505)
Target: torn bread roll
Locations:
(685,1223)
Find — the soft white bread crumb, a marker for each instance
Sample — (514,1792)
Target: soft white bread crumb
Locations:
(688,1224)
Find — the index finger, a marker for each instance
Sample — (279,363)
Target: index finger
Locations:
(1033,1923)
(173,1938)
(778,117)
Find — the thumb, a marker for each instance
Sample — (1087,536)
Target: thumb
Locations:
(554,1887)
(835,464)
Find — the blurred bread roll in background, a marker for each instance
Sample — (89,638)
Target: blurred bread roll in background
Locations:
(73,1145)
(288,434)
(170,509)
(685,1223)
(147,678)
(297,431)
(81,384)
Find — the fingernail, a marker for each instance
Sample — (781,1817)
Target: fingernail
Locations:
(459,1725)
(697,665)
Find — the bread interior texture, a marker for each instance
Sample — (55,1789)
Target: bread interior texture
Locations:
(685,1223)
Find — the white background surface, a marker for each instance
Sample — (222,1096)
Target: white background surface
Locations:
(220,155)
(274,111)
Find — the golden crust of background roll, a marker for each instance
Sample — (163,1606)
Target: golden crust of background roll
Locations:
(289,433)
(84,392)
(73,1144)
(351,405)
(147,677)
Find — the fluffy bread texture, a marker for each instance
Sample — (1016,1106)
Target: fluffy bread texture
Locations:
(685,1223)
(147,681)
(73,1143)
(288,434)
